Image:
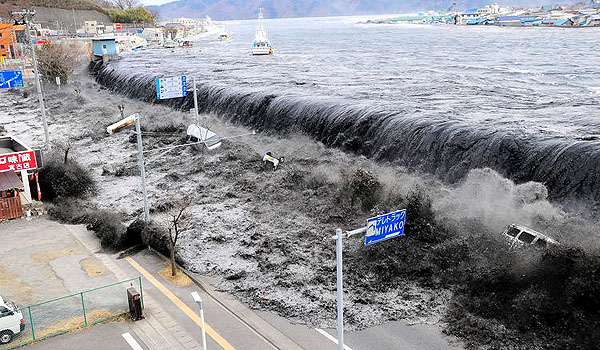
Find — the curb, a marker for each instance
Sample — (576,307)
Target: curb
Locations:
(255,323)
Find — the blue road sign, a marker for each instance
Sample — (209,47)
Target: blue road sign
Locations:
(385,226)
(171,87)
(11,79)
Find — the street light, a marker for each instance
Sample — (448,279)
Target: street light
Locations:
(198,301)
(111,129)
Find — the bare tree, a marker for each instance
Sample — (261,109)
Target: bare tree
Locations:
(178,222)
(65,145)
(126,4)
(60,59)
(155,16)
(105,3)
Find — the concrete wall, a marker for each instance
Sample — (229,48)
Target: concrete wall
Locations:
(49,17)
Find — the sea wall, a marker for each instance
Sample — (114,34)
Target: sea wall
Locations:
(448,149)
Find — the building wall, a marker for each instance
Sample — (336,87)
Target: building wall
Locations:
(7,39)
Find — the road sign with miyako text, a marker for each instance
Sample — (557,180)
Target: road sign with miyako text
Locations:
(385,226)
(17,161)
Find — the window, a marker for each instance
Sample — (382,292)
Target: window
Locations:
(0,35)
(104,46)
(2,47)
(513,231)
(5,312)
(540,243)
(526,237)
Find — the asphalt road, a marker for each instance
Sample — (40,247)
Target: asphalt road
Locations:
(99,337)
(394,335)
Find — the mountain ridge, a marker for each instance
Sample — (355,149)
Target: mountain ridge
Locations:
(247,9)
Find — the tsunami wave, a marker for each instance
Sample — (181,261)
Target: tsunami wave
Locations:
(448,149)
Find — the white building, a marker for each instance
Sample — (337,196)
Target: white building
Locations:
(154,35)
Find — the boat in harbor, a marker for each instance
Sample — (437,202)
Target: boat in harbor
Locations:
(261,44)
(224,34)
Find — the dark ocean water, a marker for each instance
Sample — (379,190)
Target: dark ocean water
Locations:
(446,99)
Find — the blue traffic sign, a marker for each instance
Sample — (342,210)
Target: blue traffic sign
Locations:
(171,87)
(11,79)
(385,226)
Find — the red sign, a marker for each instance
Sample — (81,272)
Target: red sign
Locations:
(118,26)
(18,161)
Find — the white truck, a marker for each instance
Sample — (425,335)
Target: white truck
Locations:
(519,235)
(11,320)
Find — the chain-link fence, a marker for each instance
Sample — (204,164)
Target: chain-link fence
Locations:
(68,313)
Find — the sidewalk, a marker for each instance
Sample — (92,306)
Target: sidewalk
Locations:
(159,330)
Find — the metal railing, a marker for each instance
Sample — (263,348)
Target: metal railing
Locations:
(61,315)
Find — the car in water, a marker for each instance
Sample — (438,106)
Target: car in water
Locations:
(11,320)
(519,235)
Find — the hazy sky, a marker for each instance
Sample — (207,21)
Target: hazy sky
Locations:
(155,2)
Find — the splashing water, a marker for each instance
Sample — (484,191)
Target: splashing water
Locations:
(444,99)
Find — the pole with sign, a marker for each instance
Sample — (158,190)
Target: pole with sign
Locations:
(379,228)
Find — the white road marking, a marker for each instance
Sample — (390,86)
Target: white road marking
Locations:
(331,337)
(131,341)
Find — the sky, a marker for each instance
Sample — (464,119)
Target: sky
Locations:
(155,2)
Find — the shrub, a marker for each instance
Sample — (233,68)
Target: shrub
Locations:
(132,15)
(108,228)
(152,235)
(362,187)
(65,179)
(105,224)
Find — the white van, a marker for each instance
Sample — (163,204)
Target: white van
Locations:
(11,320)
(521,235)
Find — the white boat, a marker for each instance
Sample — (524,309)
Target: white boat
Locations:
(225,36)
(261,44)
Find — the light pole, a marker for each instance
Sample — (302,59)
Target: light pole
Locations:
(26,14)
(198,301)
(111,129)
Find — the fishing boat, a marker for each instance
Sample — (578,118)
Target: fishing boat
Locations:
(261,44)
(224,34)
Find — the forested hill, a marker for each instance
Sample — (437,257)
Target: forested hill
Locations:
(6,6)
(243,9)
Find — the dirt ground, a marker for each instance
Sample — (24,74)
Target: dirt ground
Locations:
(266,234)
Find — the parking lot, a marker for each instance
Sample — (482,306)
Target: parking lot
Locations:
(42,261)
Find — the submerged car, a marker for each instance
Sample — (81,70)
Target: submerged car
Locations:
(522,236)
(11,320)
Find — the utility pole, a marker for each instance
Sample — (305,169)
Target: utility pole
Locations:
(26,16)
(142,168)
(196,101)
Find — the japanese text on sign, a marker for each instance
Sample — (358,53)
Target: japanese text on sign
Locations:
(11,79)
(18,161)
(385,227)
(171,87)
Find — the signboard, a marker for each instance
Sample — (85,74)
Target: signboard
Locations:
(11,79)
(385,226)
(171,87)
(118,26)
(18,161)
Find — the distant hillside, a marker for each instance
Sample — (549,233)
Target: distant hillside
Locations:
(6,6)
(243,9)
